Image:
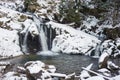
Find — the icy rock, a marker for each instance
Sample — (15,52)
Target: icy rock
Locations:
(14,76)
(21,70)
(111,47)
(9,43)
(2,68)
(72,41)
(51,68)
(95,78)
(85,74)
(116,78)
(103,60)
(34,66)
(37,70)
(105,72)
(112,66)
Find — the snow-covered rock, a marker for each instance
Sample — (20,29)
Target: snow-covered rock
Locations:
(9,28)
(111,47)
(105,72)
(9,43)
(51,68)
(103,60)
(69,40)
(85,74)
(112,66)
(95,78)
(12,4)
(13,76)
(39,70)
(116,77)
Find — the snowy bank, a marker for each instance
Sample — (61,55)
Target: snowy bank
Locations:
(69,40)
(10,25)
(9,43)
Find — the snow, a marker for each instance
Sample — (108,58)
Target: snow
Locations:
(95,78)
(88,4)
(118,42)
(116,78)
(111,65)
(84,74)
(9,43)
(38,68)
(111,47)
(69,40)
(13,76)
(90,22)
(14,25)
(35,67)
(103,56)
(105,72)
(51,68)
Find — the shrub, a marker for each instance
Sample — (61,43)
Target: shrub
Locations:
(69,12)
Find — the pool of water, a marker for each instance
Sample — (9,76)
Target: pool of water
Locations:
(64,63)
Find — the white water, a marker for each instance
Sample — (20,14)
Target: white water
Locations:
(47,53)
(42,37)
(97,51)
(50,37)
(24,46)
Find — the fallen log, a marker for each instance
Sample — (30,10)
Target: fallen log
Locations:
(64,76)
(96,73)
(58,75)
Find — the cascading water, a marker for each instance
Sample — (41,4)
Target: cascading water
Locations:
(42,36)
(37,38)
(97,51)
(24,46)
(43,39)
(50,37)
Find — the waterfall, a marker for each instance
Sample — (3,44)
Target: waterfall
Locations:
(41,43)
(42,37)
(97,51)
(50,37)
(24,46)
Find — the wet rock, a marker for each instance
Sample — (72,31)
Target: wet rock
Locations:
(22,18)
(103,60)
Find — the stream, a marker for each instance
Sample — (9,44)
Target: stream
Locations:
(64,63)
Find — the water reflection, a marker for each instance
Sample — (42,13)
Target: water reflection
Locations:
(64,63)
